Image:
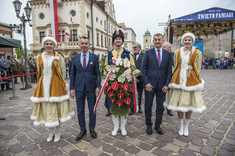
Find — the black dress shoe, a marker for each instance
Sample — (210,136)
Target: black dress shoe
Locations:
(93,133)
(159,130)
(149,131)
(108,114)
(140,111)
(131,113)
(170,112)
(80,135)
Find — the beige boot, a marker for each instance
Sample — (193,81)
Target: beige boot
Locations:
(51,134)
(186,127)
(181,129)
(123,125)
(57,134)
(116,125)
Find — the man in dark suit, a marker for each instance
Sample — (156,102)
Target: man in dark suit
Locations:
(138,55)
(167,46)
(85,82)
(156,75)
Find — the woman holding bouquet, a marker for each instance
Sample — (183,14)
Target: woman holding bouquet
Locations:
(184,95)
(119,106)
(50,97)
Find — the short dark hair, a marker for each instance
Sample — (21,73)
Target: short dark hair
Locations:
(84,37)
(158,34)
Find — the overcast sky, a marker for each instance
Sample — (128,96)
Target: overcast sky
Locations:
(139,15)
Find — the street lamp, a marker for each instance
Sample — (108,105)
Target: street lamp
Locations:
(17,5)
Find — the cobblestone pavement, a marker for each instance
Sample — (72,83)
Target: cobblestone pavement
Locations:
(210,133)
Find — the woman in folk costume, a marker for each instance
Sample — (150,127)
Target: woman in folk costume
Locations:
(184,95)
(50,97)
(118,52)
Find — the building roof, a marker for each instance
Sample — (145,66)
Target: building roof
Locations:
(147,33)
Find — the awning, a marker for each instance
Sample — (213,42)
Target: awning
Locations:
(206,22)
(6,42)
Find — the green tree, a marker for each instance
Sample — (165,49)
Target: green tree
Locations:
(20,52)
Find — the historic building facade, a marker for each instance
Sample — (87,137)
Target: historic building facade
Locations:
(5,30)
(95,19)
(129,36)
(147,42)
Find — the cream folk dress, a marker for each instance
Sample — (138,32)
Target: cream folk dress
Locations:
(51,110)
(181,99)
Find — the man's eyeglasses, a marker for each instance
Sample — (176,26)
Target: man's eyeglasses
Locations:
(134,47)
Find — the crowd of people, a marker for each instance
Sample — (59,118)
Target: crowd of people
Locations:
(218,63)
(11,66)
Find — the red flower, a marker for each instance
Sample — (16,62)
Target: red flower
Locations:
(110,94)
(112,100)
(132,90)
(125,86)
(120,95)
(127,101)
(127,68)
(115,85)
(108,88)
(119,103)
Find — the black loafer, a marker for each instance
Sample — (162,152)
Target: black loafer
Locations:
(140,111)
(93,133)
(149,131)
(108,114)
(80,135)
(170,112)
(131,113)
(159,130)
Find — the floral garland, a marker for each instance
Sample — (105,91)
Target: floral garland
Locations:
(119,87)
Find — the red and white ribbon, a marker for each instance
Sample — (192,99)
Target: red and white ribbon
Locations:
(54,19)
(102,89)
(135,99)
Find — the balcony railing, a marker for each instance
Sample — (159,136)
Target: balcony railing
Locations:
(60,45)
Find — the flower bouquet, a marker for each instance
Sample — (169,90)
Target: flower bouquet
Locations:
(120,86)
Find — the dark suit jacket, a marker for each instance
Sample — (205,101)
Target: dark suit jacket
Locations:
(152,73)
(139,60)
(88,79)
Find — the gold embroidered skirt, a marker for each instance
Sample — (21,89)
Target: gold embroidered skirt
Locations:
(51,113)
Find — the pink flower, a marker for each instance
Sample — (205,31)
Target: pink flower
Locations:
(119,103)
(112,100)
(127,101)
(120,95)
(110,94)
(132,90)
(125,86)
(115,85)
(108,88)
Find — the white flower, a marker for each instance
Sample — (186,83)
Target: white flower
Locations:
(121,78)
(117,69)
(112,77)
(119,61)
(129,77)
(126,63)
(108,68)
(56,58)
(102,82)
(127,72)
(136,72)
